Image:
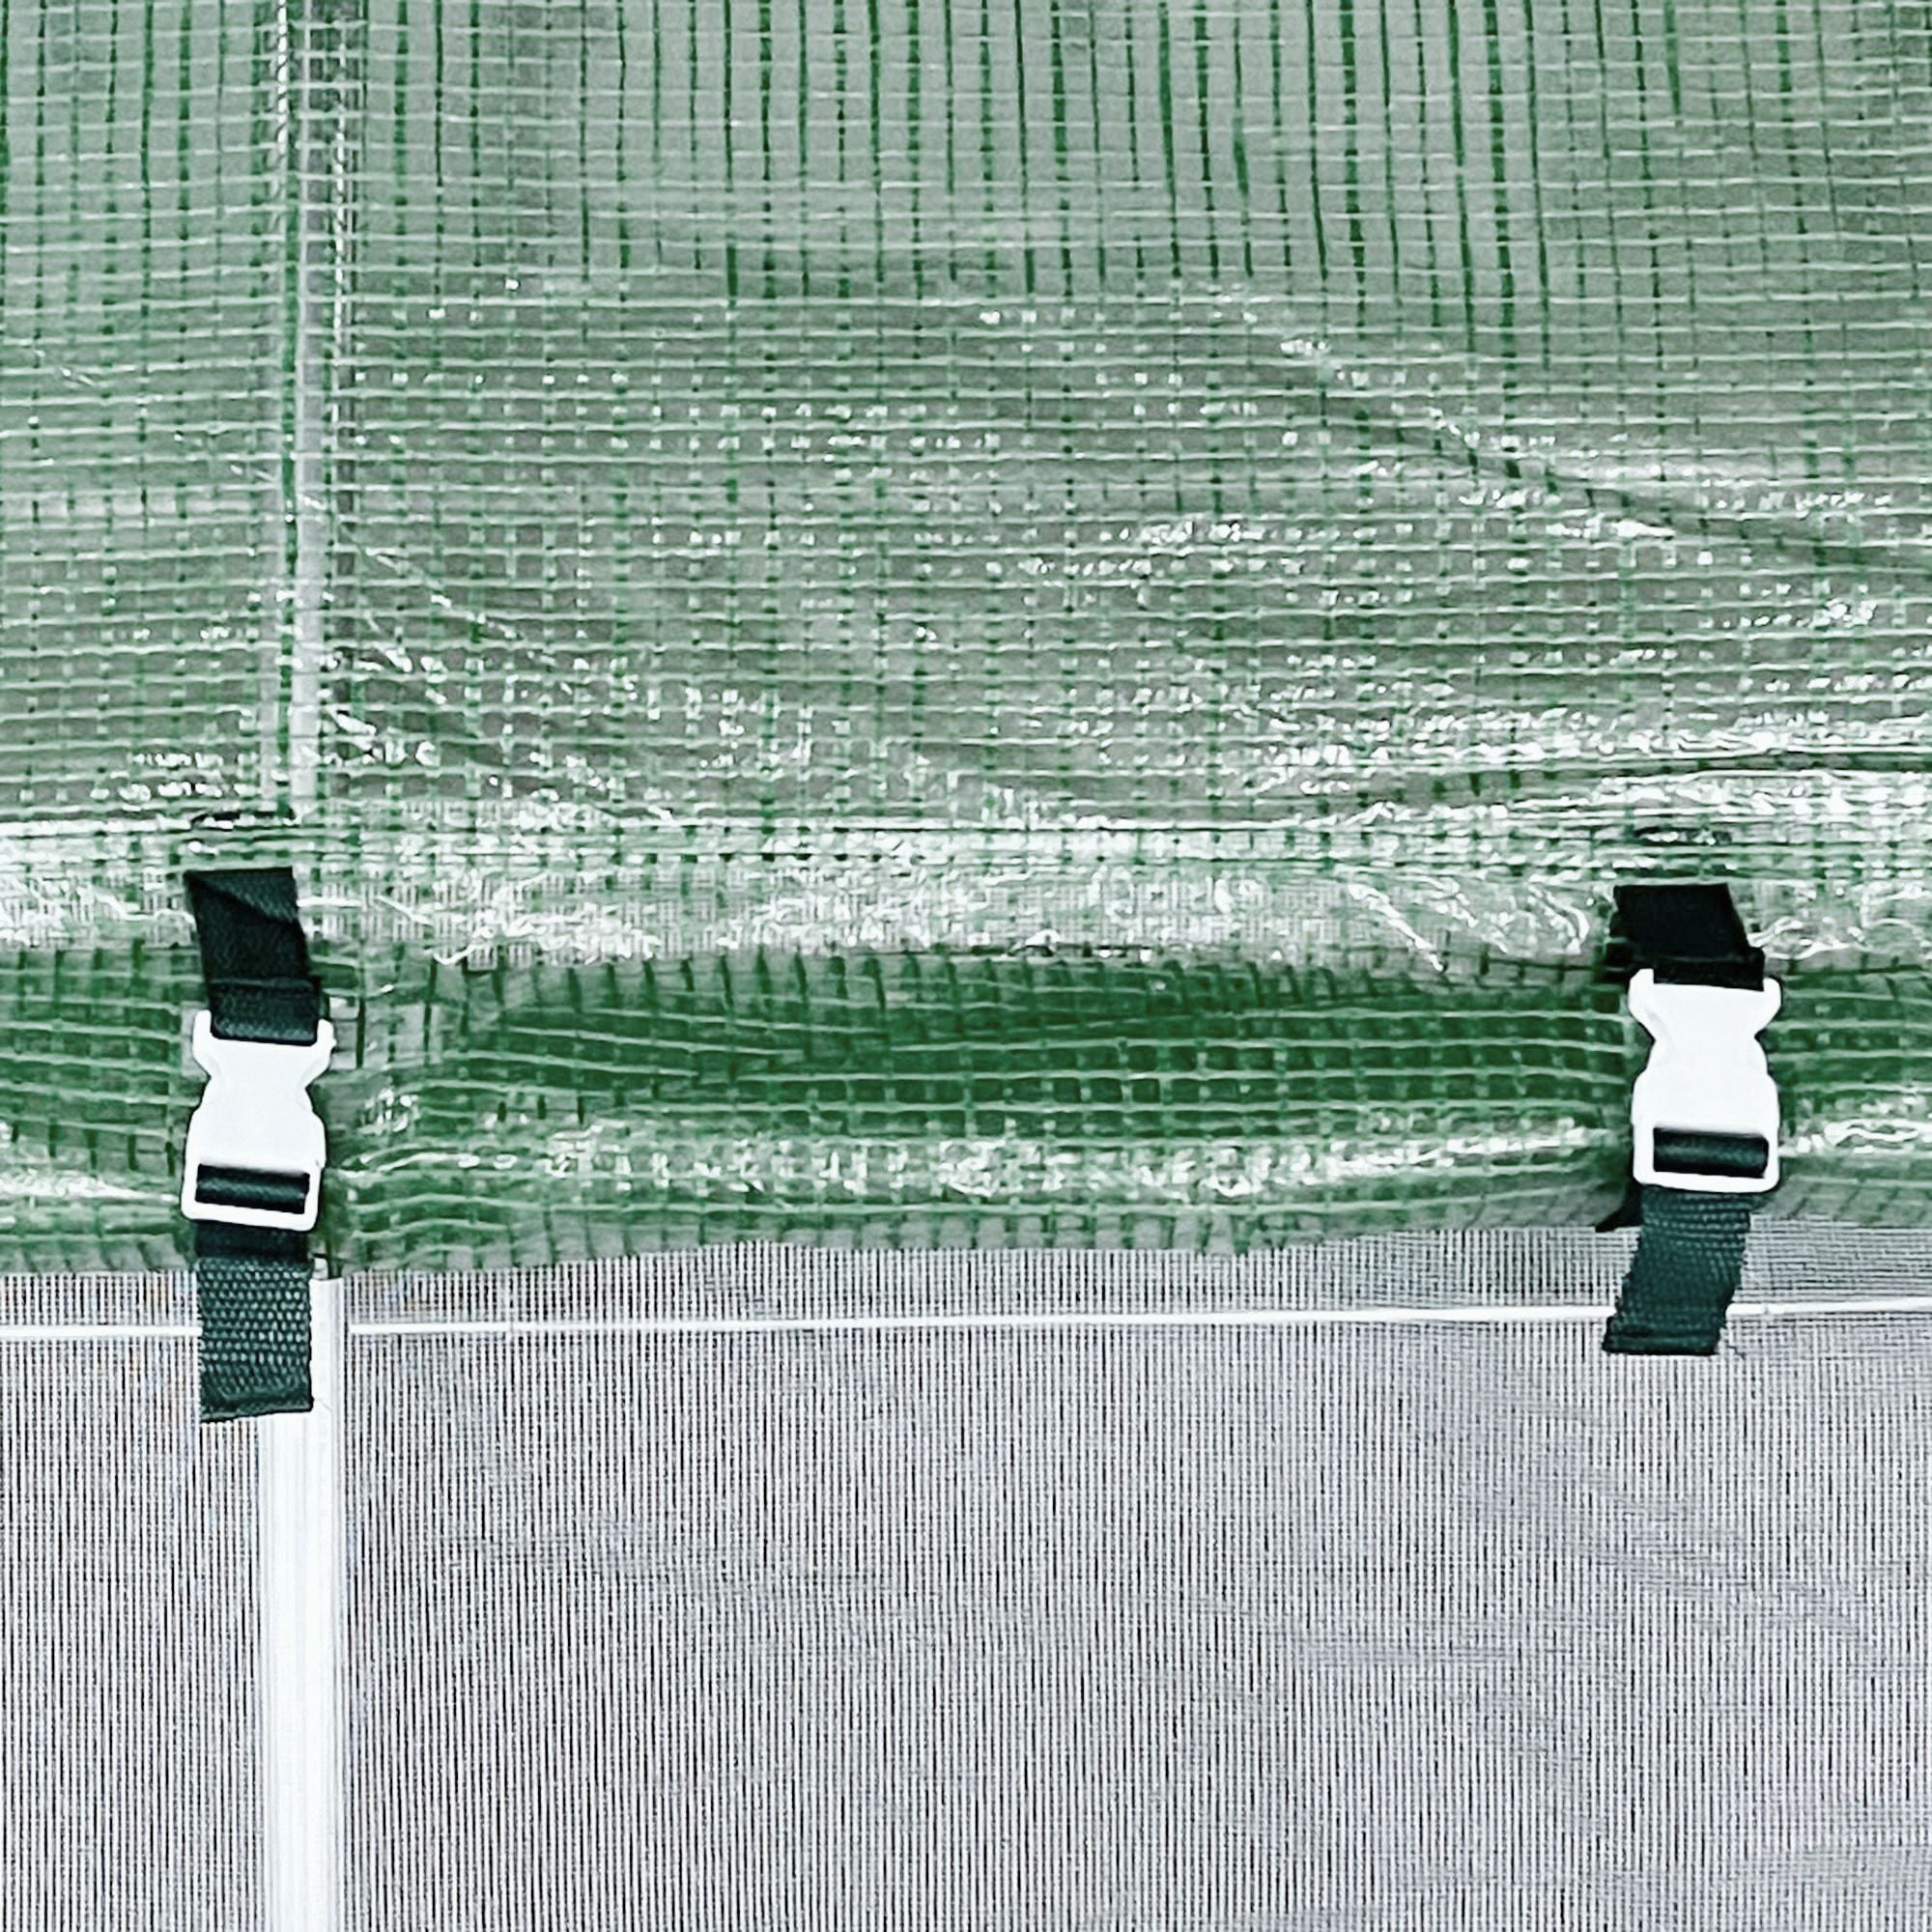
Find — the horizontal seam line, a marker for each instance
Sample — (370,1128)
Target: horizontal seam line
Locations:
(1470,1315)
(1455,1314)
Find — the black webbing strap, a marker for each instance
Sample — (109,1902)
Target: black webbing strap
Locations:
(254,957)
(1689,1253)
(253,1283)
(1687,935)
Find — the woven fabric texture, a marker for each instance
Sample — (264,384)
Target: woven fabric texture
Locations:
(890,518)
(130,1799)
(946,1593)
(1347,1586)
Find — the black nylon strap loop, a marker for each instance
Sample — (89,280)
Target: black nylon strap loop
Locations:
(253,1283)
(1688,935)
(254,956)
(1738,1157)
(252,1187)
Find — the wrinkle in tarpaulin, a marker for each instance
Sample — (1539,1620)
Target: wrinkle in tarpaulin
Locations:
(930,627)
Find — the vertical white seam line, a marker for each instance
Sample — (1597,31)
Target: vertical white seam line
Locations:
(300,1556)
(311,534)
(299,1537)
(282,404)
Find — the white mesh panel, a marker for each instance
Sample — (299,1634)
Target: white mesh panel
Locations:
(129,1794)
(1283,1624)
(760,1589)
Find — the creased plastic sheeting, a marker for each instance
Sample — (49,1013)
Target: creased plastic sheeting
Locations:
(518,1115)
(933,442)
(822,488)
(1376,1626)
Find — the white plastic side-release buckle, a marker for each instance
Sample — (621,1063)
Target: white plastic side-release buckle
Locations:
(1707,1077)
(255,1132)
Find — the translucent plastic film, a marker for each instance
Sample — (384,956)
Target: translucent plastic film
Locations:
(954,616)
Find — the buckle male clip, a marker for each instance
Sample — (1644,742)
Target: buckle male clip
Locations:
(256,1146)
(1704,1111)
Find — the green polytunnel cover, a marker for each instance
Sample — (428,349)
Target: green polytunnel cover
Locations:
(927,676)
(956,621)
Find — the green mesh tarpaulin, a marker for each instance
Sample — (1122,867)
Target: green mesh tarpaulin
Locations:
(957,619)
